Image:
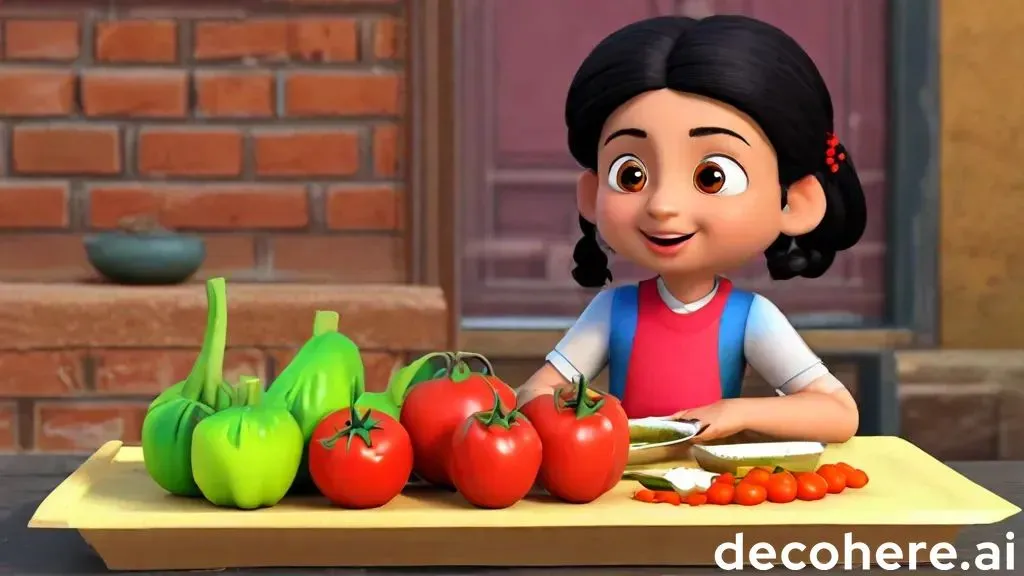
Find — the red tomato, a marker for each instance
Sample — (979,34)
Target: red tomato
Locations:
(495,458)
(586,442)
(434,409)
(360,462)
(810,486)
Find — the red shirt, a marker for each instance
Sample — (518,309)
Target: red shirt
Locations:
(674,362)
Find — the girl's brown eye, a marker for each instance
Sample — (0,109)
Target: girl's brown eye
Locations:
(720,176)
(709,177)
(627,175)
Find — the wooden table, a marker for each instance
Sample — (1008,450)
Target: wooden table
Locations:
(25,480)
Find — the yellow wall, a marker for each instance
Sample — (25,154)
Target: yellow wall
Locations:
(982,147)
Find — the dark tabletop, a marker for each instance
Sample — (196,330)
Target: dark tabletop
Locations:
(25,480)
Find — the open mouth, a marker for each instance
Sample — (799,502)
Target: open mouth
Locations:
(667,239)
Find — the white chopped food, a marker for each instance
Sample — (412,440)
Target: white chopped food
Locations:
(685,481)
(764,450)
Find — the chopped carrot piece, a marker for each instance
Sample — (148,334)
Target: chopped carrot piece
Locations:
(669,497)
(697,499)
(644,495)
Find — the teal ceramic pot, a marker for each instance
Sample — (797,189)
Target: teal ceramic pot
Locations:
(157,258)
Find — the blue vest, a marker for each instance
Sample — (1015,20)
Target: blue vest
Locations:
(731,329)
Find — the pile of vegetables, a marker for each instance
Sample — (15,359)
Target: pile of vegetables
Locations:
(445,417)
(758,486)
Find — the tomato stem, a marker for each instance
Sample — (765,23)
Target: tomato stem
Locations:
(466,356)
(581,401)
(496,417)
(357,426)
(460,369)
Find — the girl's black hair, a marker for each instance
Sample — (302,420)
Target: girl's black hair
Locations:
(749,65)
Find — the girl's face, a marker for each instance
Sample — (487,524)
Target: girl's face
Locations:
(684,185)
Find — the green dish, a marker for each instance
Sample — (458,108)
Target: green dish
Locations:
(157,258)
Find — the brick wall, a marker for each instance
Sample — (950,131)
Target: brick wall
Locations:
(273,128)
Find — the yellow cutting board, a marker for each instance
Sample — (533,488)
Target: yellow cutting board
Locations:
(133,524)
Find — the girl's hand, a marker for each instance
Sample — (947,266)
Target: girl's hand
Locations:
(723,418)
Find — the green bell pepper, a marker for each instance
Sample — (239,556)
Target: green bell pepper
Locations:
(248,455)
(324,376)
(172,418)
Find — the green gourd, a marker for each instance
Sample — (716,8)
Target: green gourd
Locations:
(247,456)
(326,373)
(172,418)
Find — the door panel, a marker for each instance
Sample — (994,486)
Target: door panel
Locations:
(517,184)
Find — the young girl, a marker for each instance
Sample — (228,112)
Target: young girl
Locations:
(704,143)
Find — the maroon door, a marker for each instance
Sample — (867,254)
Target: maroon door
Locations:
(517,183)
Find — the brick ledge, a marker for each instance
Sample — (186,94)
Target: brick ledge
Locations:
(377,317)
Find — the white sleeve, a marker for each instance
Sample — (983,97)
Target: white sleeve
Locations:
(775,350)
(583,351)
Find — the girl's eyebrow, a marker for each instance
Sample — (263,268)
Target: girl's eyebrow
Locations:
(715,130)
(634,132)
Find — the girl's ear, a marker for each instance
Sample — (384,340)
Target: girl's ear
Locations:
(805,206)
(586,195)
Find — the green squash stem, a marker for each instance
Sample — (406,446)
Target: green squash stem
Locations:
(581,402)
(208,371)
(325,321)
(250,391)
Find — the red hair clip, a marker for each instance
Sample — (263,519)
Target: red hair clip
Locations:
(832,159)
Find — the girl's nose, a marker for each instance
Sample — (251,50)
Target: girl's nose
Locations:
(663,205)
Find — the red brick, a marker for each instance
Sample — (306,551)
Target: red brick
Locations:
(135,93)
(319,39)
(148,372)
(355,259)
(360,208)
(228,253)
(324,39)
(82,426)
(387,150)
(9,427)
(203,206)
(137,41)
(89,150)
(41,374)
(36,92)
(33,205)
(378,366)
(342,94)
(42,257)
(56,40)
(237,39)
(389,39)
(235,94)
(306,153)
(190,152)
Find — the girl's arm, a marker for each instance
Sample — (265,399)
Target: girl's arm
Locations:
(583,351)
(812,404)
(822,411)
